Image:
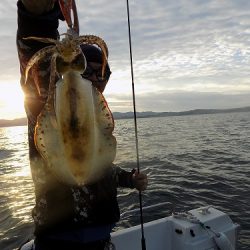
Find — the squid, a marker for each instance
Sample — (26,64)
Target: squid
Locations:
(74,131)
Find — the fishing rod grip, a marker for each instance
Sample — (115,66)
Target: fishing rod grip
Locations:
(143,244)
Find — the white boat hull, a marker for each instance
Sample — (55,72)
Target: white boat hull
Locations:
(173,233)
(214,230)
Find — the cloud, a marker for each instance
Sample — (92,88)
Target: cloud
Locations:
(181,49)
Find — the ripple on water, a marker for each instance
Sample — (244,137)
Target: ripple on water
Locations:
(191,161)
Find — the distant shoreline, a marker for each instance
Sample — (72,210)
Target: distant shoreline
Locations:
(128,115)
(147,114)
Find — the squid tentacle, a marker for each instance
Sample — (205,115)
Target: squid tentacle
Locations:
(52,85)
(41,39)
(92,39)
(61,46)
(36,57)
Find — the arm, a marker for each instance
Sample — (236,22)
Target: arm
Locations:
(30,23)
(38,7)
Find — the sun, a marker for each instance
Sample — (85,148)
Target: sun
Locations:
(11,101)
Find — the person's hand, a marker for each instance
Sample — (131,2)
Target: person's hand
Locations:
(38,7)
(140,181)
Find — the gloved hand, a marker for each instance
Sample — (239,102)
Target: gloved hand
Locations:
(140,180)
(38,7)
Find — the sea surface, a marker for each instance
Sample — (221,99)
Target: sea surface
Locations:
(191,161)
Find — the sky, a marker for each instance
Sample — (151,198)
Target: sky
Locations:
(187,54)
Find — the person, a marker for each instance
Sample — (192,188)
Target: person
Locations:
(65,217)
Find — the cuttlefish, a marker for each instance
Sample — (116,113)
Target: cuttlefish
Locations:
(74,131)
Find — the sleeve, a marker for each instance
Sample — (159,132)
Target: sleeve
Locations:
(124,178)
(44,25)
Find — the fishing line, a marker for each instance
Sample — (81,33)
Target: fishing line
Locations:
(143,243)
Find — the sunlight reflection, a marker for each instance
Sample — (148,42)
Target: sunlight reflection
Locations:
(11,101)
(17,189)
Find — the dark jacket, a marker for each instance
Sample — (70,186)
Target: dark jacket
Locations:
(59,207)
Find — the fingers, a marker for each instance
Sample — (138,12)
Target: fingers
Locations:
(140,181)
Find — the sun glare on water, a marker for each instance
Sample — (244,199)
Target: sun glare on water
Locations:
(11,101)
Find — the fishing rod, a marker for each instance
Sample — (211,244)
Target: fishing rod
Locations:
(143,242)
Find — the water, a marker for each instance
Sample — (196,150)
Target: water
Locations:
(191,161)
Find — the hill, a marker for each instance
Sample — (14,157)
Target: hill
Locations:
(129,115)
(13,123)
